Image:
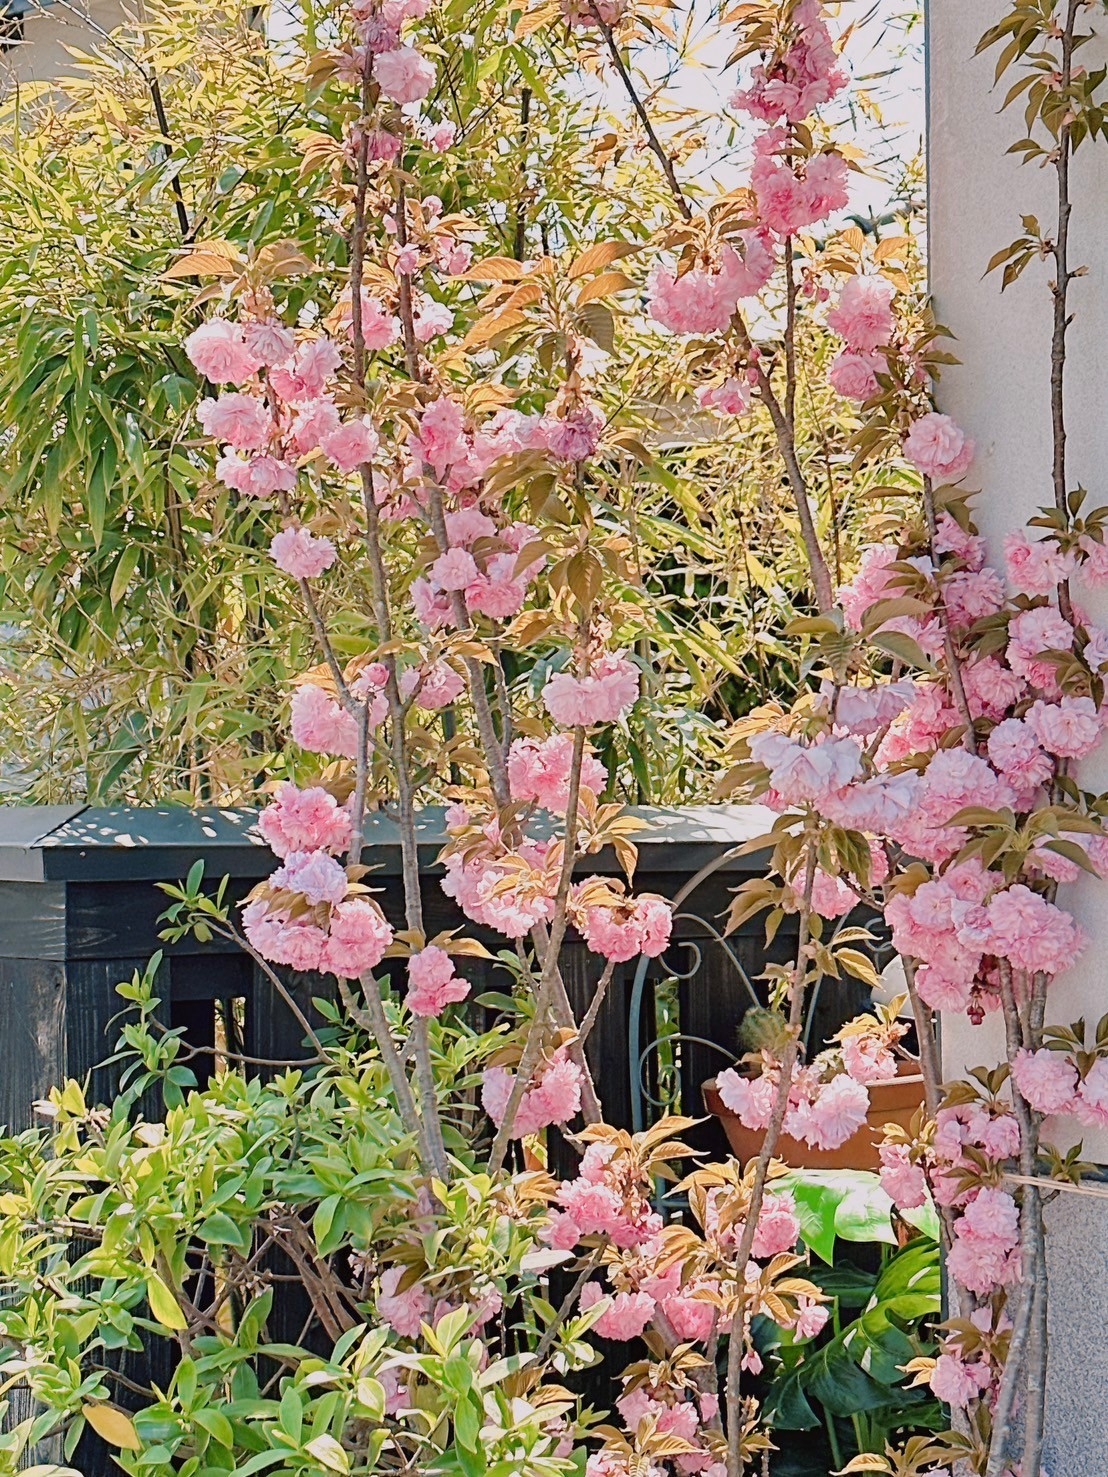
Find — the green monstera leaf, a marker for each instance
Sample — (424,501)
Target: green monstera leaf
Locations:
(850,1205)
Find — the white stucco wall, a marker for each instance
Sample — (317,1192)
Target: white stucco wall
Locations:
(1000,394)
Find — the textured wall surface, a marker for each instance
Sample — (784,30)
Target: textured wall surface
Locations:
(1000,394)
(43,55)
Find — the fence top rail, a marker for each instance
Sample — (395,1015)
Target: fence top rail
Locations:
(53,843)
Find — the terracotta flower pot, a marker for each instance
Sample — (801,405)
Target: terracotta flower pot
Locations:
(890,1102)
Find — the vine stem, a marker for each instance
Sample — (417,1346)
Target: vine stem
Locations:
(953,665)
(1064,276)
(546,1343)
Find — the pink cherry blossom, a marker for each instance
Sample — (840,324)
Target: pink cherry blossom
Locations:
(315,419)
(1069,728)
(951,538)
(304,820)
(991,688)
(403,75)
(321,725)
(440,687)
(606,695)
(309,372)
(269,341)
(553,1097)
(971,595)
(433,984)
(302,554)
(314,874)
(1091,1104)
(801,773)
(903,1181)
(811,1317)
(1031,933)
(992,1213)
(836,1113)
(505,900)
(350,444)
(431,319)
(640,925)
(778,1228)
(219,351)
(867,1059)
(788,201)
(467,525)
(405,1311)
(750,1098)
(441,439)
(1031,634)
(380,328)
(730,398)
(855,375)
(1014,749)
(862,711)
(938,448)
(497,592)
(454,570)
(1046,1079)
(870,584)
(539,771)
(804,77)
(702,300)
(255,476)
(1036,568)
(242,421)
(626,1318)
(357,937)
(573,437)
(691,1319)
(298,945)
(440,136)
(955,1382)
(864,316)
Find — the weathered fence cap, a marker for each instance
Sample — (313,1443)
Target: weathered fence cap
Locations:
(87,843)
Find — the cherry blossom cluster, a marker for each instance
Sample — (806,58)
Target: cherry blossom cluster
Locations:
(794,185)
(962,1165)
(800,75)
(672,1279)
(828,1099)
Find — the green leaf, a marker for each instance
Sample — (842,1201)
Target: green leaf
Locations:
(163,1304)
(217,1426)
(329,1453)
(128,563)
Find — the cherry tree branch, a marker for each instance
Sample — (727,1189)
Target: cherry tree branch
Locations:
(797,995)
(782,417)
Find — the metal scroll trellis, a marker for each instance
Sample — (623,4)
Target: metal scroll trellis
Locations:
(658,1059)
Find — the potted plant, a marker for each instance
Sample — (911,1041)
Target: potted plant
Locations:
(839,1102)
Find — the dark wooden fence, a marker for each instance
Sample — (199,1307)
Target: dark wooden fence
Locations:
(79,913)
(80,906)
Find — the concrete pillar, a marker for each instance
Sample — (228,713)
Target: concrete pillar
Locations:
(1000,393)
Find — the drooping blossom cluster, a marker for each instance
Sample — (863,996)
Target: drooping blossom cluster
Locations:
(433,983)
(552,1096)
(803,75)
(828,1099)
